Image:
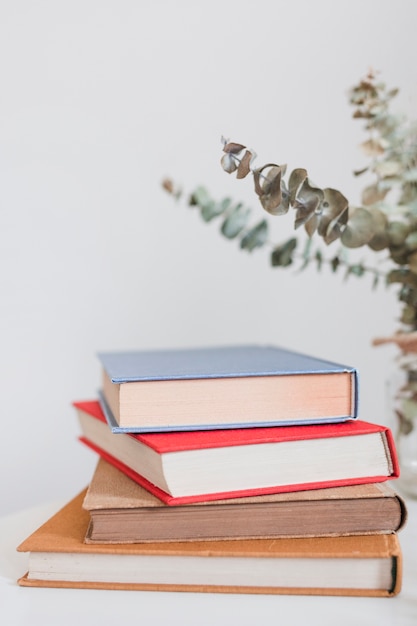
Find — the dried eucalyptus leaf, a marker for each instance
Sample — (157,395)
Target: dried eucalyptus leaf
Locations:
(319,260)
(168,185)
(235,222)
(296,179)
(225,204)
(271,205)
(307,202)
(233,148)
(412,262)
(255,237)
(333,214)
(359,229)
(312,224)
(272,184)
(399,254)
(373,194)
(228,163)
(373,147)
(200,196)
(282,255)
(334,203)
(244,165)
(334,217)
(387,169)
(387,183)
(263,177)
(380,239)
(408,315)
(361,171)
(411,241)
(408,295)
(408,196)
(361,114)
(268,188)
(397,233)
(377,109)
(378,242)
(404,294)
(213,209)
(333,235)
(386,125)
(334,263)
(403,276)
(357,270)
(257,181)
(305,210)
(208,211)
(392,92)
(335,229)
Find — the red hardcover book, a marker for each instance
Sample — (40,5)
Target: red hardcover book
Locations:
(185,467)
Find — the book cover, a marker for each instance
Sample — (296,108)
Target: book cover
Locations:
(224,387)
(183,467)
(121,511)
(369,565)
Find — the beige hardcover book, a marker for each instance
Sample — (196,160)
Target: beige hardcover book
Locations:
(364,565)
(121,511)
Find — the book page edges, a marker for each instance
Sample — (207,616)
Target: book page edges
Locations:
(165,441)
(175,500)
(64,532)
(111,488)
(128,401)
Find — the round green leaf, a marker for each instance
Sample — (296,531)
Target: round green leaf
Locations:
(235,222)
(397,233)
(380,239)
(282,255)
(359,229)
(255,237)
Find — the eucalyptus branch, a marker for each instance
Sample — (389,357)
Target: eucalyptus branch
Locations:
(235,225)
(385,221)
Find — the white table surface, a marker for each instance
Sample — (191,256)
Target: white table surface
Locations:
(61,607)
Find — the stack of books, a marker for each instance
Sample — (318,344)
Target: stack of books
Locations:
(234,469)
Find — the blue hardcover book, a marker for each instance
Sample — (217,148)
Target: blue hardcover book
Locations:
(223,387)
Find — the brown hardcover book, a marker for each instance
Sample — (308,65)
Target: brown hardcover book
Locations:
(121,511)
(364,565)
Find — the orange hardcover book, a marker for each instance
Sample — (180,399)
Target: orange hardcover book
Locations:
(364,565)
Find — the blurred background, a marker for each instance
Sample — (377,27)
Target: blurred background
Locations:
(100,100)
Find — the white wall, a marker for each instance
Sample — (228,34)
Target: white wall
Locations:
(99,101)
